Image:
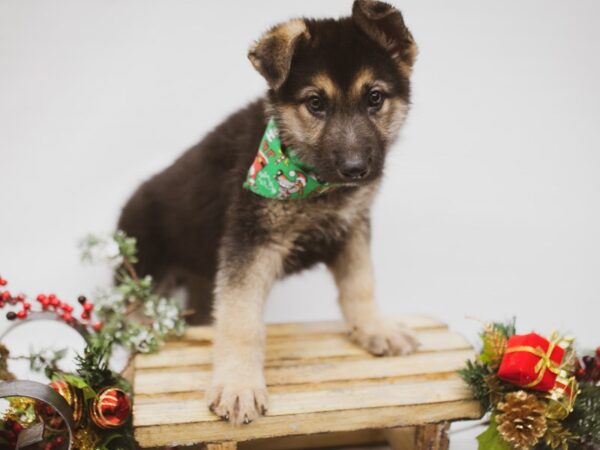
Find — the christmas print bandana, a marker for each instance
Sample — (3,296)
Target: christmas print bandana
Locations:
(278,173)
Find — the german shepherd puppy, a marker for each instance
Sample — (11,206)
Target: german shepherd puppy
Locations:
(339,91)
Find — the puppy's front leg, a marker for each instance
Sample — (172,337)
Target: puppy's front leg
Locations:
(353,274)
(238,392)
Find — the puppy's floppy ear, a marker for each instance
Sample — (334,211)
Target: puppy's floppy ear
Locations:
(384,24)
(272,54)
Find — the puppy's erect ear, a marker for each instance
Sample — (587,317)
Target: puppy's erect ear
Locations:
(384,24)
(272,54)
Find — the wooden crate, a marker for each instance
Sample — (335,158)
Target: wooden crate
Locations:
(319,382)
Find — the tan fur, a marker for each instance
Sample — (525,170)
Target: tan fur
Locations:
(322,81)
(286,36)
(299,125)
(353,273)
(362,78)
(390,118)
(238,390)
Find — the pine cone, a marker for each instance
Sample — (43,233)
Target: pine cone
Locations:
(521,420)
(557,436)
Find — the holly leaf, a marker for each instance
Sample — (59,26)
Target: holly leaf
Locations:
(490,439)
(79,383)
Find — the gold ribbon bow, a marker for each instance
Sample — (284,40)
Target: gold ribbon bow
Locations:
(545,363)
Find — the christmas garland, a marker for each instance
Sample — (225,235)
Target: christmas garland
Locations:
(540,395)
(129,314)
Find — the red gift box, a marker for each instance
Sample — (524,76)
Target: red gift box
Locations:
(531,361)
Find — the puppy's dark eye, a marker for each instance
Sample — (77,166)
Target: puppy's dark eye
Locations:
(375,99)
(315,104)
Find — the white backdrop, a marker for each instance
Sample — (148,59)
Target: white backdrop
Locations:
(491,204)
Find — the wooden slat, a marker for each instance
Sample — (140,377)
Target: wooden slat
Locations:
(196,378)
(191,407)
(178,355)
(414,321)
(274,426)
(326,440)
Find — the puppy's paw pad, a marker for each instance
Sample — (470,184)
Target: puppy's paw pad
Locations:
(238,403)
(385,339)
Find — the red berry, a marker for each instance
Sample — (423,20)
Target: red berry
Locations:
(48,446)
(54,301)
(41,298)
(1,303)
(598,352)
(6,296)
(22,314)
(20,298)
(85,316)
(98,326)
(59,440)
(3,282)
(88,307)
(26,306)
(11,315)
(67,316)
(17,427)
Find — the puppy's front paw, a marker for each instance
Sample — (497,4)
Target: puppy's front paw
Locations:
(385,338)
(237,399)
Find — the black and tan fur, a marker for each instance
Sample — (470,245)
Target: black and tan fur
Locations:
(339,90)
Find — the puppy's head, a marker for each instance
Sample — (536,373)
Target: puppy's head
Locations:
(339,89)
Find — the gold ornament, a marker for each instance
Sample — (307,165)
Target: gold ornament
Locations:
(74,398)
(561,399)
(494,346)
(86,439)
(521,420)
(557,437)
(111,408)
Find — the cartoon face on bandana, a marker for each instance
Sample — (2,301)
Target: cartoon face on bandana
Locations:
(276,172)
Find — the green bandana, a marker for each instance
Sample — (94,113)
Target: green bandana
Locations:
(277,172)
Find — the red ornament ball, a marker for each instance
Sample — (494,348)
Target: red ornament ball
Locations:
(111,408)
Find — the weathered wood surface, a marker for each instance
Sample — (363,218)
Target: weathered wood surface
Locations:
(318,382)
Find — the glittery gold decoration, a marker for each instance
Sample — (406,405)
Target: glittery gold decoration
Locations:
(521,420)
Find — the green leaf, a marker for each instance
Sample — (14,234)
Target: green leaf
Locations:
(78,382)
(490,439)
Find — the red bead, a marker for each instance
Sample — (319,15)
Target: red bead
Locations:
(26,306)
(21,314)
(98,326)
(3,282)
(88,307)
(41,298)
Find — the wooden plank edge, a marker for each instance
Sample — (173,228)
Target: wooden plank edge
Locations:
(310,423)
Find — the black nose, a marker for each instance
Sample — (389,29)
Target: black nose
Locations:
(354,169)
